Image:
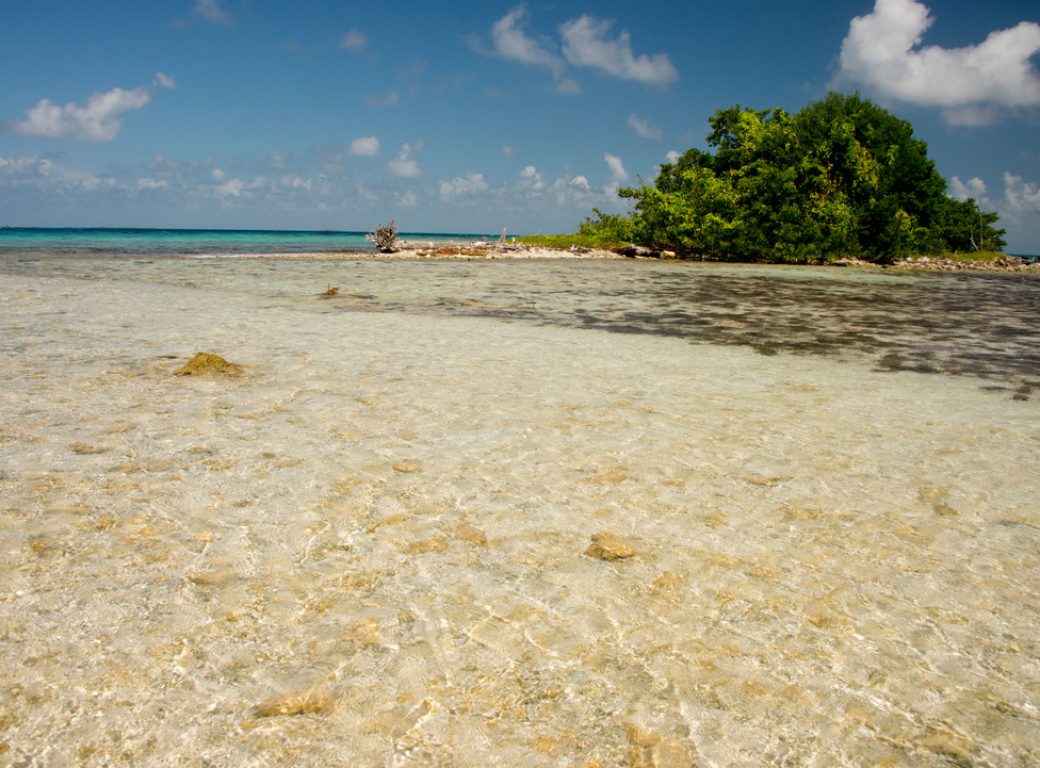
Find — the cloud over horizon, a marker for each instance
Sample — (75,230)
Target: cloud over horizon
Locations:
(364,146)
(974,85)
(404,165)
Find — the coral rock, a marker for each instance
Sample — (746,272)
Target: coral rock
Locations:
(298,703)
(206,364)
(609,546)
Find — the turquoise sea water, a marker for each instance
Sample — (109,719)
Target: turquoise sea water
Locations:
(175,242)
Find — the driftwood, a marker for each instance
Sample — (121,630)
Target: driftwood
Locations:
(385,237)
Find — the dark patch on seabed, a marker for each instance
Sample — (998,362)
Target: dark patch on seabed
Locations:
(979,325)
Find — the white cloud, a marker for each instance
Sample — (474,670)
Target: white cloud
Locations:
(883,52)
(99,120)
(586,45)
(644,128)
(617,169)
(230,188)
(460,186)
(512,43)
(408,199)
(580,182)
(404,164)
(295,182)
(164,81)
(974,187)
(150,183)
(508,151)
(364,146)
(672,156)
(392,99)
(353,40)
(41,173)
(213,12)
(532,178)
(1020,196)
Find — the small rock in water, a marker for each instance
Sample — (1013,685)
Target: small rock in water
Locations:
(407,467)
(648,749)
(432,544)
(609,546)
(472,534)
(206,364)
(298,703)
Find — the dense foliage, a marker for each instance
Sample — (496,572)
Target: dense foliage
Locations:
(842,177)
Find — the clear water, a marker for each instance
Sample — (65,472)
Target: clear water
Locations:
(382,527)
(180,242)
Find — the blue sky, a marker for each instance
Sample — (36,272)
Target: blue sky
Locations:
(467,116)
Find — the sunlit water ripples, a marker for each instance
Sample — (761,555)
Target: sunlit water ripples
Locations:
(372,548)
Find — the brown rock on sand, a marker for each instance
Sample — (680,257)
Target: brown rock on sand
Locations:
(206,364)
(609,546)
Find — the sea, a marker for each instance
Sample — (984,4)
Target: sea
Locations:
(188,242)
(518,512)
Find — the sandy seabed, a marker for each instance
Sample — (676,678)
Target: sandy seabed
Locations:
(371,549)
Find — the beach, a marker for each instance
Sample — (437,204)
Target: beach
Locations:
(526,512)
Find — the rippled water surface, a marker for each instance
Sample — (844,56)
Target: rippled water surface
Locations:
(374,547)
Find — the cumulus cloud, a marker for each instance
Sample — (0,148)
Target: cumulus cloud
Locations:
(364,146)
(973,187)
(672,156)
(462,186)
(213,12)
(32,171)
(230,188)
(164,81)
(99,120)
(586,43)
(146,182)
(353,40)
(617,169)
(644,128)
(580,182)
(532,179)
(404,165)
(511,42)
(883,51)
(1020,196)
(293,181)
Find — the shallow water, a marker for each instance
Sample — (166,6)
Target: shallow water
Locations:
(836,563)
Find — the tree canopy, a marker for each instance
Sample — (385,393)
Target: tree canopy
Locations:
(842,177)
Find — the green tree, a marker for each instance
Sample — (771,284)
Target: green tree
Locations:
(841,177)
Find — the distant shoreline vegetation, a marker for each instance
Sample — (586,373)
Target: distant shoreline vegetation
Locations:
(842,178)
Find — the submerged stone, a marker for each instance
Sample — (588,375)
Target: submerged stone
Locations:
(297,703)
(609,546)
(206,364)
(649,749)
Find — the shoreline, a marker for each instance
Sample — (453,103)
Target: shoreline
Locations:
(481,250)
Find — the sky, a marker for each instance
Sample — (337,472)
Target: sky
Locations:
(465,116)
